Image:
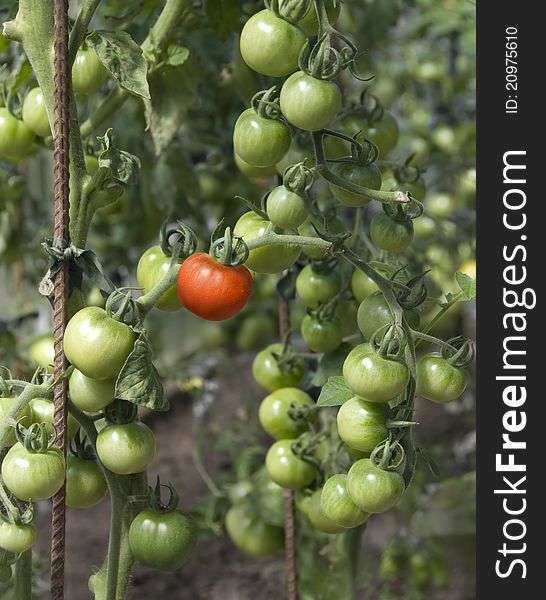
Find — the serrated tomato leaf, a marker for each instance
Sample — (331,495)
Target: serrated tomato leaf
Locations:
(331,365)
(467,285)
(138,381)
(123,57)
(335,392)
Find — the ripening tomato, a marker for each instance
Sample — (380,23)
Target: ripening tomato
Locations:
(270,45)
(273,374)
(373,377)
(43,411)
(315,287)
(35,113)
(286,209)
(16,137)
(274,417)
(337,506)
(260,141)
(88,73)
(33,475)
(96,344)
(211,290)
(85,482)
(368,176)
(362,425)
(391,234)
(317,518)
(152,267)
(162,540)
(374,313)
(286,469)
(309,103)
(251,534)
(438,380)
(89,394)
(268,259)
(372,489)
(17,537)
(126,448)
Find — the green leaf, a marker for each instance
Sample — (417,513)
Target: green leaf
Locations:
(176,55)
(335,393)
(123,57)
(174,91)
(430,461)
(138,381)
(223,16)
(123,165)
(331,365)
(467,285)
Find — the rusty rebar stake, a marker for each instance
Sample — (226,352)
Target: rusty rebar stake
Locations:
(61,239)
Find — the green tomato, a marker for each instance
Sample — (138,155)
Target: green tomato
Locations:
(260,141)
(240,491)
(270,45)
(6,402)
(337,506)
(274,417)
(317,518)
(309,103)
(316,288)
(88,73)
(33,475)
(321,335)
(35,113)
(96,344)
(286,209)
(255,331)
(372,489)
(252,535)
(91,163)
(391,234)
(441,205)
(309,22)
(268,498)
(89,394)
(373,377)
(286,469)
(362,425)
(269,259)
(374,313)
(126,449)
(85,482)
(271,375)
(17,538)
(252,171)
(162,540)
(152,267)
(43,411)
(362,286)
(42,352)
(424,228)
(368,176)
(439,381)
(16,137)
(335,226)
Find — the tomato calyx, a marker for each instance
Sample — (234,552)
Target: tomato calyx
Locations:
(265,104)
(229,250)
(154,497)
(185,240)
(121,412)
(121,307)
(388,456)
(415,292)
(298,179)
(35,439)
(389,342)
(6,390)
(459,352)
(80,448)
(290,11)
(306,444)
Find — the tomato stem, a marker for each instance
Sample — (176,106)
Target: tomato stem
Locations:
(23,576)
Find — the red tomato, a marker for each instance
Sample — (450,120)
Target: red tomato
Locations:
(211,290)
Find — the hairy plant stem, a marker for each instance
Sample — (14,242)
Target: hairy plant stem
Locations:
(23,576)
